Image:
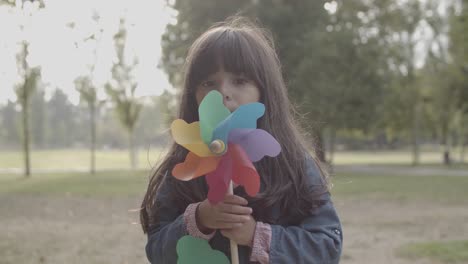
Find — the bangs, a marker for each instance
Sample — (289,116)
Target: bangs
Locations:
(228,49)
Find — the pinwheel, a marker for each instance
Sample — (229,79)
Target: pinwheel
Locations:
(222,146)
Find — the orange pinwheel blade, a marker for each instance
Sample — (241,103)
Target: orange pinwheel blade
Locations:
(188,135)
(195,166)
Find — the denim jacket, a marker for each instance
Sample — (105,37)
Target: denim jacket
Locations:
(317,239)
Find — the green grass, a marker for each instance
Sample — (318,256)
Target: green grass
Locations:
(442,189)
(111,183)
(79,159)
(445,189)
(73,159)
(445,252)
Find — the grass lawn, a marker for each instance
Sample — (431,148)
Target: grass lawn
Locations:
(109,183)
(78,159)
(444,189)
(445,252)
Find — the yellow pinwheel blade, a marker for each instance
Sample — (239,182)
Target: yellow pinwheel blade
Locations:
(188,135)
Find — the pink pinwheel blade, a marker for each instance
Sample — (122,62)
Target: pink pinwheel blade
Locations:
(244,172)
(219,179)
(257,143)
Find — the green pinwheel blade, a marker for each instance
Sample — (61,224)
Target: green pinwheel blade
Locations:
(191,250)
(211,112)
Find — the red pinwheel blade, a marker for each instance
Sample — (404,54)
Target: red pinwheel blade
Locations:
(218,180)
(244,172)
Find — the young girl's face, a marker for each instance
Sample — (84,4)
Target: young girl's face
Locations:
(236,89)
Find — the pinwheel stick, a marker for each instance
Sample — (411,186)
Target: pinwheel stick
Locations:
(234,251)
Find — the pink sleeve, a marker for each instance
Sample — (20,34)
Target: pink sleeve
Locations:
(261,243)
(191,223)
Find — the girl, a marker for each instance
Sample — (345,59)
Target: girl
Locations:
(292,219)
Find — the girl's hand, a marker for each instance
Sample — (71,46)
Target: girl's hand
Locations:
(242,235)
(230,213)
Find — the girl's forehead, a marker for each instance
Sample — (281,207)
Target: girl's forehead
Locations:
(219,67)
(221,70)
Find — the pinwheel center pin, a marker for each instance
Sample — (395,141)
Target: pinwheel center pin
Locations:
(217,147)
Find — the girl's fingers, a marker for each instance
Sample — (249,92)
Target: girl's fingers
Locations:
(234,209)
(223,225)
(234,199)
(233,218)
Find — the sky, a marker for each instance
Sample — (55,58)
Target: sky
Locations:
(59,42)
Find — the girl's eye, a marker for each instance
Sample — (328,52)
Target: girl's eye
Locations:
(240,81)
(207,84)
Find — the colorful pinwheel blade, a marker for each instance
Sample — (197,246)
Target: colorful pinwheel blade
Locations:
(244,172)
(188,135)
(192,250)
(218,180)
(194,166)
(211,112)
(257,143)
(245,116)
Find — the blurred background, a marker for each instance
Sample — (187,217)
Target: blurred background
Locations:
(88,90)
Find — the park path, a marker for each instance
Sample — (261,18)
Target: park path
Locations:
(359,168)
(400,170)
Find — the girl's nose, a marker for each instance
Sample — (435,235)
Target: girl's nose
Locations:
(226,90)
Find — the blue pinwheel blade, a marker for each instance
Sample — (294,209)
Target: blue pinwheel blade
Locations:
(245,116)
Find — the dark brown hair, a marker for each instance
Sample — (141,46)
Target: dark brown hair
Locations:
(242,47)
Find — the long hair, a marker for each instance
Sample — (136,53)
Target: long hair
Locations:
(243,48)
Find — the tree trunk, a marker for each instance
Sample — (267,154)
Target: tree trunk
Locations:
(26,135)
(447,159)
(319,146)
(445,141)
(462,143)
(415,135)
(131,144)
(92,112)
(462,153)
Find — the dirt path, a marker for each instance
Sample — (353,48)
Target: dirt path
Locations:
(401,170)
(70,230)
(374,230)
(38,229)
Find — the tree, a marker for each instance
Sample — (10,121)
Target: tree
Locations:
(88,94)
(9,117)
(24,91)
(341,85)
(166,107)
(458,49)
(39,118)
(85,87)
(62,117)
(121,91)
